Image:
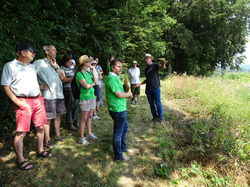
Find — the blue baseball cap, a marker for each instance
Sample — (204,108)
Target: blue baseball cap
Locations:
(24,46)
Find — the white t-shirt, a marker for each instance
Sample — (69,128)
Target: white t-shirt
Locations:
(133,75)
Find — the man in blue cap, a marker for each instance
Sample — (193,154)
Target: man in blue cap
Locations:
(19,82)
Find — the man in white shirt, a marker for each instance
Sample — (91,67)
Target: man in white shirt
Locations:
(19,82)
(50,78)
(133,75)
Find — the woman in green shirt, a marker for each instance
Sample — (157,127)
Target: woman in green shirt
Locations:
(86,80)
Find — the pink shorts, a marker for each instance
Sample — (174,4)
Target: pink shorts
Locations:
(34,110)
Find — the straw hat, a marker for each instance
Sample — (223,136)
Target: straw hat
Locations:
(148,55)
(83,59)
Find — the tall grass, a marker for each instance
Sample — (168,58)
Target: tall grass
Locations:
(223,108)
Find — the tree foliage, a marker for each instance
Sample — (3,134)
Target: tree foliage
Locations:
(208,33)
(195,36)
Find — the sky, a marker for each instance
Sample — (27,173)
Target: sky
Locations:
(247,53)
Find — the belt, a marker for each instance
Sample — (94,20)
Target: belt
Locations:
(28,97)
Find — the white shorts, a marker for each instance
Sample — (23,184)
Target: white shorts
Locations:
(87,105)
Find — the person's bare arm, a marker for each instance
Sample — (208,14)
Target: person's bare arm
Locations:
(139,84)
(85,84)
(65,79)
(120,94)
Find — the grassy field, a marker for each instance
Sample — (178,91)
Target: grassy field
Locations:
(203,141)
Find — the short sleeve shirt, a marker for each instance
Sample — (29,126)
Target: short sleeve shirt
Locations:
(152,76)
(21,79)
(85,94)
(69,73)
(47,75)
(133,75)
(113,84)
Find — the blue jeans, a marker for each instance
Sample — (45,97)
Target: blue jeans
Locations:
(119,134)
(154,99)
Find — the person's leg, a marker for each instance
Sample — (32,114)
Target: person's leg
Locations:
(158,102)
(18,143)
(137,93)
(101,100)
(88,122)
(83,119)
(40,137)
(75,112)
(47,131)
(57,123)
(97,105)
(151,103)
(132,88)
(69,106)
(94,111)
(119,124)
(50,106)
(97,98)
(125,130)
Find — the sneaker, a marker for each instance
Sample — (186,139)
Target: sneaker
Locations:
(95,117)
(128,151)
(83,141)
(91,137)
(50,144)
(124,158)
(136,102)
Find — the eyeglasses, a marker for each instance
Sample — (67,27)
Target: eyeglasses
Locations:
(31,50)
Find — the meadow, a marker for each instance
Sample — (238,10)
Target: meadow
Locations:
(204,140)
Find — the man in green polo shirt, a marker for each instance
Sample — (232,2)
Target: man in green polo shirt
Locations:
(116,99)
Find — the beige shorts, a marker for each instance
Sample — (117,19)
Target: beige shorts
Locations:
(87,105)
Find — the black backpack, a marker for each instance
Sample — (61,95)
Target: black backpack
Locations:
(75,89)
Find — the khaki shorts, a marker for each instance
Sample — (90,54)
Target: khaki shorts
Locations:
(54,107)
(87,105)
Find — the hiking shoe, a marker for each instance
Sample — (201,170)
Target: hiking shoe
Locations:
(72,128)
(159,121)
(59,138)
(124,158)
(95,117)
(50,144)
(154,119)
(91,137)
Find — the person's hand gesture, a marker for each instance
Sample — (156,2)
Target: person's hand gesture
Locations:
(53,63)
(92,70)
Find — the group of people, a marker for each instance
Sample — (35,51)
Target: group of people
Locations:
(41,90)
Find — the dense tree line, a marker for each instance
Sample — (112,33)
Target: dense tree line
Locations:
(195,36)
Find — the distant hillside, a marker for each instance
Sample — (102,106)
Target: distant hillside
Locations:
(245,68)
